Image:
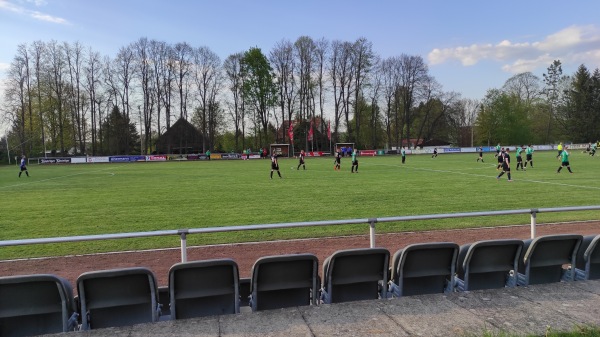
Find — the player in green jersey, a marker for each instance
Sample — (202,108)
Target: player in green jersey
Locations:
(403,153)
(354,161)
(519,158)
(529,155)
(564,156)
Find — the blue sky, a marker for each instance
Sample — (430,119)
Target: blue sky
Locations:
(470,46)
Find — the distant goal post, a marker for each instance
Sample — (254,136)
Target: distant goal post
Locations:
(281,150)
(344,148)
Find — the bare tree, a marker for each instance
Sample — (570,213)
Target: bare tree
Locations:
(341,80)
(57,65)
(145,75)
(124,74)
(16,97)
(206,75)
(321,53)
(525,86)
(75,55)
(183,60)
(362,63)
(233,71)
(390,69)
(282,58)
(92,70)
(37,52)
(413,72)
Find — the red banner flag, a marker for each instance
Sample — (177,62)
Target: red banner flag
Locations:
(310,132)
(329,130)
(291,131)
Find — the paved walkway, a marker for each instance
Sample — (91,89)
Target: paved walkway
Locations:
(518,311)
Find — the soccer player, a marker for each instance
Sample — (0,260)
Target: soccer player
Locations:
(337,162)
(434,152)
(593,150)
(497,150)
(403,153)
(505,164)
(354,161)
(529,155)
(208,154)
(274,165)
(480,149)
(301,160)
(500,157)
(564,156)
(519,158)
(23,167)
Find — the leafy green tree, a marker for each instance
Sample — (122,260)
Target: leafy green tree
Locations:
(119,134)
(503,119)
(552,92)
(260,90)
(581,116)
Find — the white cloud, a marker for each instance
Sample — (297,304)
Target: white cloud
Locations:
(46,17)
(11,7)
(579,44)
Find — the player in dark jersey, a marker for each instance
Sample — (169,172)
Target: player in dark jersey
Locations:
(505,164)
(337,162)
(274,165)
(434,152)
(301,160)
(23,167)
(500,157)
(480,150)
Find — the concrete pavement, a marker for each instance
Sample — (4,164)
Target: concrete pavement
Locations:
(519,311)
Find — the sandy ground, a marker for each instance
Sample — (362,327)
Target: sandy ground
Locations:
(159,261)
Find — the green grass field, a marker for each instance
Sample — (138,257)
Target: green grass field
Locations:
(68,200)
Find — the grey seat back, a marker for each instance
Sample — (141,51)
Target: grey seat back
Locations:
(356,274)
(34,305)
(425,268)
(117,297)
(284,281)
(487,264)
(588,258)
(204,288)
(542,258)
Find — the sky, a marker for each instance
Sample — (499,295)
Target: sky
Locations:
(470,46)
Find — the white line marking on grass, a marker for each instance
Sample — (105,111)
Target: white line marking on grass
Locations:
(55,178)
(487,176)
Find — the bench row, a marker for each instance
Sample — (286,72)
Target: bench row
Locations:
(40,304)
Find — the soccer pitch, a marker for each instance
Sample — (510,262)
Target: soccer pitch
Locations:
(84,199)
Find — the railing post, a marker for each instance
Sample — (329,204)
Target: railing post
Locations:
(183,236)
(372,231)
(533,222)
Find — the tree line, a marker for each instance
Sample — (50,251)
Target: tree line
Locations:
(66,98)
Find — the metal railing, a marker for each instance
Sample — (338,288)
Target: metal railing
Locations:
(182,233)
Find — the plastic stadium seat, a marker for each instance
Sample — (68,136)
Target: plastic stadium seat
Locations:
(424,268)
(204,288)
(588,259)
(487,264)
(36,304)
(355,274)
(117,297)
(284,281)
(542,259)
